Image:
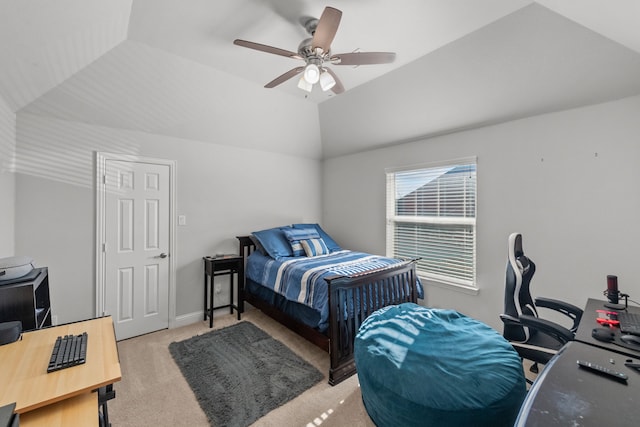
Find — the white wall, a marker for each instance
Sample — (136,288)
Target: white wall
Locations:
(565,180)
(223,191)
(7,181)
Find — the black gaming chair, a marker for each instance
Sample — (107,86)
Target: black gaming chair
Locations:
(533,338)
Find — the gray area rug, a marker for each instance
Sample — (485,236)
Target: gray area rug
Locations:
(240,373)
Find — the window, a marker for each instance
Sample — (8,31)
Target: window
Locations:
(431,214)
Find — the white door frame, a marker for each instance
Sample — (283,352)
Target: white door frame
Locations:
(101,163)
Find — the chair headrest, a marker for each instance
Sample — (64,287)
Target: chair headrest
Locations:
(516,253)
(516,245)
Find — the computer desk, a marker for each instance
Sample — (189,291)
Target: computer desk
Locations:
(78,410)
(61,394)
(567,395)
(588,323)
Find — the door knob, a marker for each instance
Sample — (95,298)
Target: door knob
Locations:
(163,255)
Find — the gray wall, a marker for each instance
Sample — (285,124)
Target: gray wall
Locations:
(7,180)
(224,191)
(565,180)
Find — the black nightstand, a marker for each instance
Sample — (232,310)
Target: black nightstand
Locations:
(219,266)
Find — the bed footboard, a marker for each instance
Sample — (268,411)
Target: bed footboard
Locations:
(353,299)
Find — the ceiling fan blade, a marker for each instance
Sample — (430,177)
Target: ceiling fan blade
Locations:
(337,88)
(283,78)
(326,29)
(265,48)
(363,58)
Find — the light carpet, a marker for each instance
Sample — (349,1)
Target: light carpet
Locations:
(153,391)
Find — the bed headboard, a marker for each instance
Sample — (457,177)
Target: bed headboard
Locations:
(246,246)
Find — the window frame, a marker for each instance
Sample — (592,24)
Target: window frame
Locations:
(432,278)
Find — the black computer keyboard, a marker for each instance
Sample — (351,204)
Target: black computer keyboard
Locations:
(629,323)
(70,350)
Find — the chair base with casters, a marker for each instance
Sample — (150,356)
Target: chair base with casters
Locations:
(534,338)
(432,367)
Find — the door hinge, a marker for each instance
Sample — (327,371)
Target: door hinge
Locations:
(104,247)
(104,179)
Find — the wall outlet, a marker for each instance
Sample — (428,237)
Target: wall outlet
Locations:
(182,220)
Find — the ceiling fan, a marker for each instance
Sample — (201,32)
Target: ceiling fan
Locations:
(316,53)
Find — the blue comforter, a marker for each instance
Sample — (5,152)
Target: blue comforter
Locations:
(301,279)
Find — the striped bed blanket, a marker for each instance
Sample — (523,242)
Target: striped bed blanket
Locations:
(301,279)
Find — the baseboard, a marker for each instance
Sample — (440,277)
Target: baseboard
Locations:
(187,319)
(190,318)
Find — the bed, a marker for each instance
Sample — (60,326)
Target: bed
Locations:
(319,290)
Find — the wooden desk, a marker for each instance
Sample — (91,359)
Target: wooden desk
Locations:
(23,367)
(75,411)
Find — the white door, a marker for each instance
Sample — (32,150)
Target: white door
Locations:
(136,251)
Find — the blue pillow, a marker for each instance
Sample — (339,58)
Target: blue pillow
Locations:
(295,235)
(274,242)
(258,245)
(331,244)
(314,247)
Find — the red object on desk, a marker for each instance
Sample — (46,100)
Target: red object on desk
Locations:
(609,318)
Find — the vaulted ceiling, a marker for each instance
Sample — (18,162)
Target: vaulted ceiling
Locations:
(164,66)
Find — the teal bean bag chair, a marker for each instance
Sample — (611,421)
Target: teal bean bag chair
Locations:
(430,367)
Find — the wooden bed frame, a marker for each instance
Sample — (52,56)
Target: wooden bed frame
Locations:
(396,285)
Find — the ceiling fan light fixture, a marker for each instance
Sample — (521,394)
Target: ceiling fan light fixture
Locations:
(315,51)
(304,84)
(327,81)
(312,74)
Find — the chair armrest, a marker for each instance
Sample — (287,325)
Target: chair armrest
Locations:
(509,320)
(552,329)
(569,310)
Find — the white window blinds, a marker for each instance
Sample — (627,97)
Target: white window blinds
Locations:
(431,214)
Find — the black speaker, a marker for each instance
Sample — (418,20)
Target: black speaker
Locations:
(10,332)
